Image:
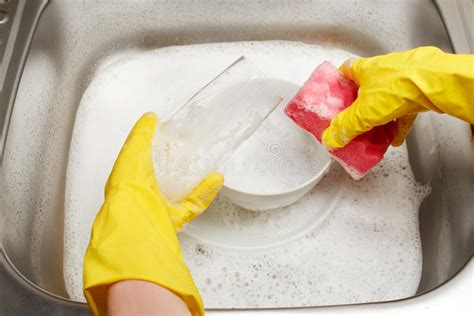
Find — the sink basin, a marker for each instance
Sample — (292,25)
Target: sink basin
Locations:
(75,38)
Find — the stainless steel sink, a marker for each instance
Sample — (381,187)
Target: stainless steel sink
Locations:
(73,38)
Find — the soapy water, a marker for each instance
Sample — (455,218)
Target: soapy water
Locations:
(367,248)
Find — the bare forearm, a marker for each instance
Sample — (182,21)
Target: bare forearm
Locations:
(133,297)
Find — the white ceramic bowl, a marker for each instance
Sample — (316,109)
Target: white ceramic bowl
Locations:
(278,164)
(265,201)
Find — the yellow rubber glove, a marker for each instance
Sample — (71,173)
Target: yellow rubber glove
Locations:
(134,233)
(399,85)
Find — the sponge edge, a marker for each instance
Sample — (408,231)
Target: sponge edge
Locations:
(326,93)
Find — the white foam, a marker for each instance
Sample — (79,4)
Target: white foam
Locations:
(368,249)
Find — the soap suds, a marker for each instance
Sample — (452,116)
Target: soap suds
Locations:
(344,242)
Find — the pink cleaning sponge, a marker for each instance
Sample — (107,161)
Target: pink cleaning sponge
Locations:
(326,93)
